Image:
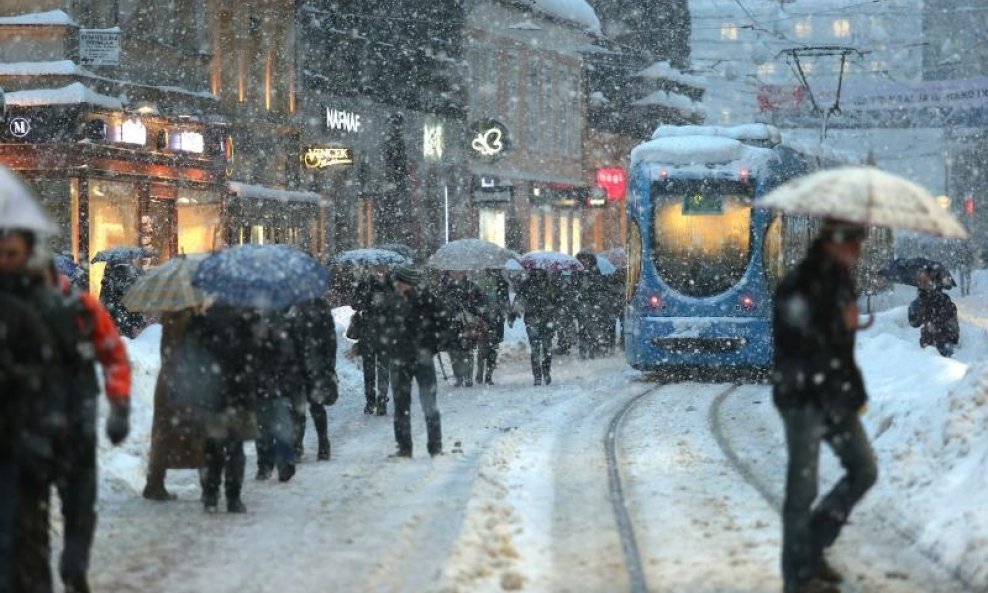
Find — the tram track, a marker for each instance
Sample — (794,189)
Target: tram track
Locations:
(775,500)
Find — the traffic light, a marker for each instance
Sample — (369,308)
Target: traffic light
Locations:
(969,205)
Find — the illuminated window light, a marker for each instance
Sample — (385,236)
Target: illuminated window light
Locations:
(133,131)
(186,142)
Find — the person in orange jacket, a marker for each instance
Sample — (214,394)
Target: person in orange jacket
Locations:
(75,473)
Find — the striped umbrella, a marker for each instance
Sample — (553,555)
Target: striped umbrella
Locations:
(167,287)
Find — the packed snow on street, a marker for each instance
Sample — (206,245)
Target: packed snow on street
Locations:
(521,501)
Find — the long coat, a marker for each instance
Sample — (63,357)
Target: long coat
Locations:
(936,314)
(814,349)
(177,436)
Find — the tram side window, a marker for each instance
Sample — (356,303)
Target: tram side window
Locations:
(773,258)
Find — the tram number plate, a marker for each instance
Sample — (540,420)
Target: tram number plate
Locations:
(700,204)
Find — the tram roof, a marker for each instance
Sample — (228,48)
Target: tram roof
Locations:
(748,132)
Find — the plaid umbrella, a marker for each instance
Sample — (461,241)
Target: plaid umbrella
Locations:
(167,287)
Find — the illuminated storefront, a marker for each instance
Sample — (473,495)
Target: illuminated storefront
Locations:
(111,179)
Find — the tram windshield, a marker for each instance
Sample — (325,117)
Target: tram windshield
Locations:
(701,244)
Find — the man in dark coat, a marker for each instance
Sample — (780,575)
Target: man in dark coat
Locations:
(218,346)
(495,310)
(278,368)
(591,294)
(538,299)
(314,332)
(818,390)
(935,314)
(464,301)
(416,322)
(371,294)
(26,352)
(117,279)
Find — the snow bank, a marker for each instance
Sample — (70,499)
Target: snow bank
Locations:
(928,416)
(53,68)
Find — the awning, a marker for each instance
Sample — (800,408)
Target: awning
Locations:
(261,192)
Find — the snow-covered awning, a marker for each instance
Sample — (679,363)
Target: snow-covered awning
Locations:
(665,70)
(262,192)
(55,68)
(673,101)
(51,18)
(574,11)
(73,94)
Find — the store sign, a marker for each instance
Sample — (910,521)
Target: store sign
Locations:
(614,182)
(320,157)
(343,121)
(99,47)
(433,142)
(20,126)
(490,139)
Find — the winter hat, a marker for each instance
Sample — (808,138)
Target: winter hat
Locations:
(408,275)
(839,231)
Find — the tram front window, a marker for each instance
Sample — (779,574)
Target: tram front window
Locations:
(701,244)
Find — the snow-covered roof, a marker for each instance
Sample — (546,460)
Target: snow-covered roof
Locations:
(261,192)
(761,132)
(50,18)
(525,25)
(673,101)
(55,68)
(73,94)
(665,70)
(574,11)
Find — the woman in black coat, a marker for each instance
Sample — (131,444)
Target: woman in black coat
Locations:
(936,314)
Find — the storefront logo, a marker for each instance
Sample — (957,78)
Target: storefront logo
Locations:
(20,126)
(320,157)
(614,182)
(344,121)
(490,139)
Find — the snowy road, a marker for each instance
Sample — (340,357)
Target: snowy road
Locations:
(520,501)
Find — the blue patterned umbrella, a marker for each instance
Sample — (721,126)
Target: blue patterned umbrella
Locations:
(262,276)
(116,255)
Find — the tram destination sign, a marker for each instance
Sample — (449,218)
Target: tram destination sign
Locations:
(700,204)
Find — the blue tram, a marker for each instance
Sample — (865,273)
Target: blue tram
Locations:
(703,262)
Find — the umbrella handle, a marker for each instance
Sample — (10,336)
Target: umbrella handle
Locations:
(867,324)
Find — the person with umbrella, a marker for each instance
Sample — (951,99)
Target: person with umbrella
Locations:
(314,332)
(496,291)
(416,321)
(538,301)
(934,313)
(464,301)
(819,391)
(365,327)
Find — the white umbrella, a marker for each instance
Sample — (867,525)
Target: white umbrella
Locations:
(470,254)
(605,266)
(18,208)
(865,195)
(373,256)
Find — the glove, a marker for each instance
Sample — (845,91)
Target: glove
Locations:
(118,423)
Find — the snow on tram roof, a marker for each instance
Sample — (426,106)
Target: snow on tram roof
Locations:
(746,132)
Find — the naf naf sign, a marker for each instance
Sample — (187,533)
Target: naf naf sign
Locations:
(343,121)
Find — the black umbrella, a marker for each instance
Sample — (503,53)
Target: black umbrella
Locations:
(906,271)
(116,255)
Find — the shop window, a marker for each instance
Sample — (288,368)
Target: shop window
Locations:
(492,225)
(564,232)
(804,28)
(113,221)
(365,222)
(729,32)
(128,131)
(534,226)
(186,142)
(766,70)
(577,232)
(199,215)
(550,232)
(841,28)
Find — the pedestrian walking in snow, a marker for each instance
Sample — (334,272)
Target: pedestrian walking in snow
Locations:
(413,331)
(117,279)
(177,437)
(935,314)
(278,371)
(567,313)
(315,332)
(818,390)
(219,349)
(464,301)
(496,291)
(371,294)
(26,355)
(591,294)
(538,301)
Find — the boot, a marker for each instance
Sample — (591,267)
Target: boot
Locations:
(827,573)
(210,501)
(369,408)
(285,472)
(76,584)
(235,505)
(401,454)
(382,406)
(815,586)
(323,454)
(263,473)
(157,493)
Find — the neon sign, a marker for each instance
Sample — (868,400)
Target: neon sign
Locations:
(490,139)
(344,121)
(320,157)
(433,142)
(614,182)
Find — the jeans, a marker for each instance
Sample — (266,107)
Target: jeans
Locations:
(423,371)
(809,530)
(462,361)
(276,439)
(487,353)
(540,342)
(376,376)
(224,456)
(319,418)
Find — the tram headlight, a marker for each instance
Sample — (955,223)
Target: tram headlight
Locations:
(655,302)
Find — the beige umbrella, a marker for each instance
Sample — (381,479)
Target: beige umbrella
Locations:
(167,287)
(471,254)
(868,196)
